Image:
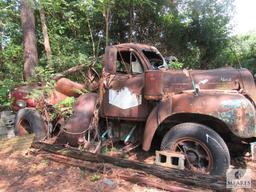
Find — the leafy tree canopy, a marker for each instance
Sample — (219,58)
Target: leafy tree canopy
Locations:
(197,32)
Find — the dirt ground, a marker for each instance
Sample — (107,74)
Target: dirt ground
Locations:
(22,171)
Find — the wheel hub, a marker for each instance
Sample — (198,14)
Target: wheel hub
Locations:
(198,155)
(192,156)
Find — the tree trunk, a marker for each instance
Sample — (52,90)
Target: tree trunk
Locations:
(91,36)
(1,46)
(47,46)
(106,14)
(29,38)
(131,20)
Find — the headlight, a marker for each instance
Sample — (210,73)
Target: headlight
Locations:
(21,103)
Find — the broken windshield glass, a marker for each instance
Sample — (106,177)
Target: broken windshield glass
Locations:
(155,59)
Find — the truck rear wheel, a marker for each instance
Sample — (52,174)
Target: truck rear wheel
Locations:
(30,121)
(204,150)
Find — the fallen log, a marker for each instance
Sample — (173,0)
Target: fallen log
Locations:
(136,178)
(72,70)
(78,67)
(99,168)
(186,177)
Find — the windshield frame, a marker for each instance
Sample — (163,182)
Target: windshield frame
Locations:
(155,51)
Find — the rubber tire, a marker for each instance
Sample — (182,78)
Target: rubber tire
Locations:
(35,121)
(215,144)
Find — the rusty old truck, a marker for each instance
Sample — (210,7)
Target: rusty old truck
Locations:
(195,113)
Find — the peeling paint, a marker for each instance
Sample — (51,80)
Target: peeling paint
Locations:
(233,104)
(228,116)
(124,98)
(239,114)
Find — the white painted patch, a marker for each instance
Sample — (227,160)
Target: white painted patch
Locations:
(124,98)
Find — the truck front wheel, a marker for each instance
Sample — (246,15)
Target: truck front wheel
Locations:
(30,121)
(204,150)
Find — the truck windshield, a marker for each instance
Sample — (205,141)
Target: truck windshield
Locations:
(155,59)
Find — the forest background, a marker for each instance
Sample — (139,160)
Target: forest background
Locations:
(43,37)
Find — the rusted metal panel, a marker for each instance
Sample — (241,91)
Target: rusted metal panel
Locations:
(153,89)
(79,122)
(68,87)
(155,118)
(123,97)
(55,97)
(220,79)
(248,83)
(138,48)
(230,107)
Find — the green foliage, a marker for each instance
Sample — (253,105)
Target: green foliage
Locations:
(68,32)
(107,150)
(176,65)
(5,88)
(10,32)
(199,32)
(64,107)
(195,31)
(95,177)
(11,58)
(43,76)
(11,52)
(240,52)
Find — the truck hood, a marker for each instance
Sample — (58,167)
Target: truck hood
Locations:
(176,81)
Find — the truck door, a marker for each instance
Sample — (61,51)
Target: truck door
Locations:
(123,98)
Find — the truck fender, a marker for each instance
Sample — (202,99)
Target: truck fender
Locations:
(80,121)
(158,115)
(233,109)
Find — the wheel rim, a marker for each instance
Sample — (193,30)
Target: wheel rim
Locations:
(23,126)
(198,156)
